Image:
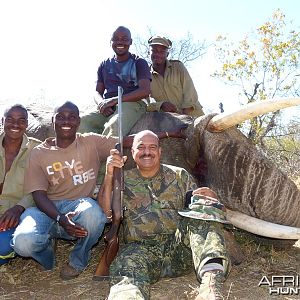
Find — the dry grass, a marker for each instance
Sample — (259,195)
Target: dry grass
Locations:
(23,279)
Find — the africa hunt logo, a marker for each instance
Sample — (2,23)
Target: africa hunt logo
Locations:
(281,284)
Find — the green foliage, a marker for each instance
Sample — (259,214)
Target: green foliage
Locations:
(265,65)
(283,148)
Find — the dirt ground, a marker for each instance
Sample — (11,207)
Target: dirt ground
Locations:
(23,279)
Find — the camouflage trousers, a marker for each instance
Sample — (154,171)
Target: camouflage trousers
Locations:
(145,262)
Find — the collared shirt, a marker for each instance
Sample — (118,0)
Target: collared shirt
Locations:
(176,86)
(12,192)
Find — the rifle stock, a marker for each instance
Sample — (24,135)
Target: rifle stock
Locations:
(111,238)
(108,255)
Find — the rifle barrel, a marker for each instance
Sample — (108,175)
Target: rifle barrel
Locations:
(120,125)
(120,133)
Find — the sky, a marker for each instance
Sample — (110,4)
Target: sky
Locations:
(50,50)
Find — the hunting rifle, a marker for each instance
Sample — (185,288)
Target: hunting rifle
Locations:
(111,238)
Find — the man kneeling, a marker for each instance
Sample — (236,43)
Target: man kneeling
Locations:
(61,175)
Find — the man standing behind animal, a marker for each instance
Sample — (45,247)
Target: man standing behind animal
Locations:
(14,150)
(132,74)
(158,241)
(172,86)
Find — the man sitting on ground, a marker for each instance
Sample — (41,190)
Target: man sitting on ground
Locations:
(158,241)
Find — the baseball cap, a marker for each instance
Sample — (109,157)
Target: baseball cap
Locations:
(160,40)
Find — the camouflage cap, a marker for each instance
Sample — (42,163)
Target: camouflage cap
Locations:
(205,209)
(160,40)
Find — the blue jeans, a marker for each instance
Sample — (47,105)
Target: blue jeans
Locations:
(6,251)
(34,237)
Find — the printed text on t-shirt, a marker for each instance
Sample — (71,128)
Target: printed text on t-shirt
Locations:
(60,170)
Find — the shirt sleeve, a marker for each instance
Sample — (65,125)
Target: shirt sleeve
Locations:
(26,201)
(100,74)
(188,180)
(104,145)
(190,96)
(142,69)
(35,178)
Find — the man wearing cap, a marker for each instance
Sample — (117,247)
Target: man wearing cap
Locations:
(132,74)
(162,239)
(172,86)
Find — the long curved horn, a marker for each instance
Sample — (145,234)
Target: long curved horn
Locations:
(261,227)
(226,120)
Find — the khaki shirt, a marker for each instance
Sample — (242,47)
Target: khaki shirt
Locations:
(12,192)
(176,86)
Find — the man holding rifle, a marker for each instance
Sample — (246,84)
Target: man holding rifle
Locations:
(158,241)
(61,175)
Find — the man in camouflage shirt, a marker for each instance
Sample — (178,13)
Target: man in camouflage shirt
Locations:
(158,241)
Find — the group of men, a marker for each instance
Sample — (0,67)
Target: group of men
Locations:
(46,187)
(165,86)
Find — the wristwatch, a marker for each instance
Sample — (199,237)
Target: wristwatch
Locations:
(58,218)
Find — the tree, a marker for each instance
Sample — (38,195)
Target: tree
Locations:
(283,148)
(265,65)
(185,49)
